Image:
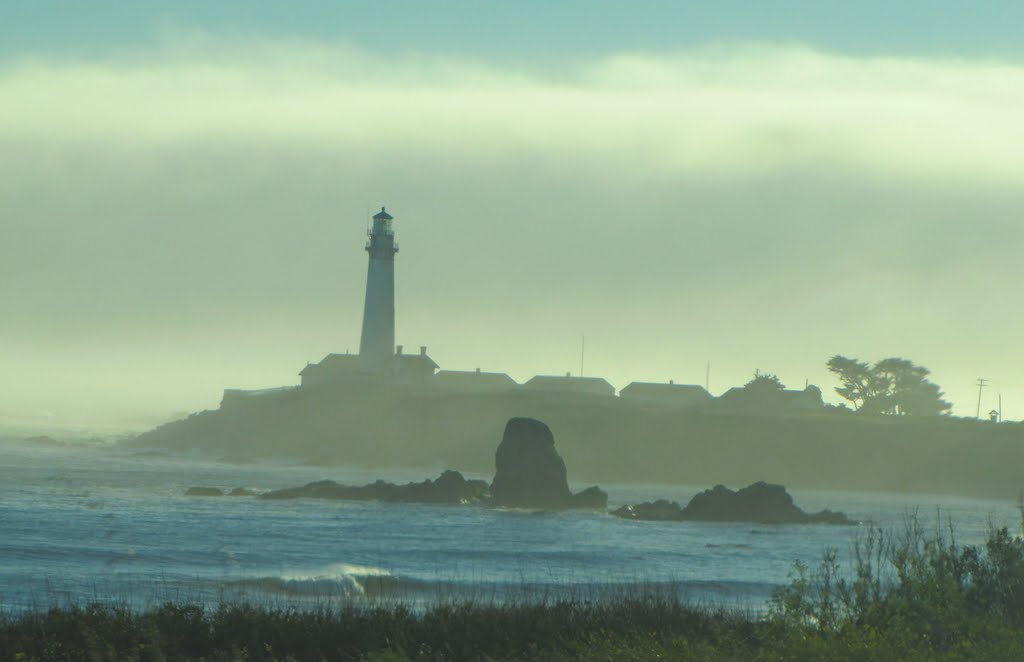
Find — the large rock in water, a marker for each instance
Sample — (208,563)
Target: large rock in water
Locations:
(529,472)
(761,502)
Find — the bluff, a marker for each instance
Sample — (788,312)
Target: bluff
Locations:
(613,441)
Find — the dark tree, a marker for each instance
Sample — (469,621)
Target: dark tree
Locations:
(764,381)
(924,400)
(910,392)
(856,378)
(890,386)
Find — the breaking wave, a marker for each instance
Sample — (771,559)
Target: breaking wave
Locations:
(343,580)
(354,582)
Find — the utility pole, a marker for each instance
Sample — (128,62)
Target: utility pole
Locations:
(1000,407)
(981,386)
(583,349)
(707,378)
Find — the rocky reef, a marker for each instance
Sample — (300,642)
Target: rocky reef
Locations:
(449,487)
(201,491)
(761,502)
(529,472)
(661,510)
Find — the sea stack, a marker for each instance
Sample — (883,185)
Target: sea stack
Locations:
(529,472)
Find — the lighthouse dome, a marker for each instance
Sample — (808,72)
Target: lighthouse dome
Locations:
(382,215)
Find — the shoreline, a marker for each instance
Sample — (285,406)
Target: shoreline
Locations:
(131,448)
(608,443)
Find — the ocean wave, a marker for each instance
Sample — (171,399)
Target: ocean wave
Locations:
(344,580)
(337,570)
(347,581)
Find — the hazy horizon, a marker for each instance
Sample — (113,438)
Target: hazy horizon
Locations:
(184,203)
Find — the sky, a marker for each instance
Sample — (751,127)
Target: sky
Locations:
(184,190)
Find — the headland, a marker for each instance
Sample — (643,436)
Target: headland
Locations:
(388,407)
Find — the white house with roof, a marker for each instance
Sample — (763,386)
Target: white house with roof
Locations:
(473,381)
(568,384)
(776,400)
(668,395)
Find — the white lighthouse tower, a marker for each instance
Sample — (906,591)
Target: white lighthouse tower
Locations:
(377,343)
(379,360)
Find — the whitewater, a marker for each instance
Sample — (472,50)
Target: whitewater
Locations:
(111,523)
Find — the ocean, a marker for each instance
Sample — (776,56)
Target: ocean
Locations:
(83,524)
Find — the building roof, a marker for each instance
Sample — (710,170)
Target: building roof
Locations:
(570,383)
(414,359)
(333,362)
(471,378)
(382,215)
(745,397)
(662,390)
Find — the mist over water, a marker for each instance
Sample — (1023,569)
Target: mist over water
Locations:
(200,217)
(725,244)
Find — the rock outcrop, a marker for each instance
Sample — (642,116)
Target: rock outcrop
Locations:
(592,498)
(449,487)
(529,472)
(204,491)
(761,502)
(659,511)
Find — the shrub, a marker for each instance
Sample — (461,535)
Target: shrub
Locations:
(921,588)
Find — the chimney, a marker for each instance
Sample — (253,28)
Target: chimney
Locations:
(398,350)
(423,350)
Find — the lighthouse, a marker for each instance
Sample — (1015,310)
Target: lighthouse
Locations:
(379,361)
(377,343)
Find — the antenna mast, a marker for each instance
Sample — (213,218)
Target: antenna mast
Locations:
(583,349)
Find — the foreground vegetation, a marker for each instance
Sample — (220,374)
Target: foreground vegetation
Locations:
(907,595)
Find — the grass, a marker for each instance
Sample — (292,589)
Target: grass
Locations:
(907,595)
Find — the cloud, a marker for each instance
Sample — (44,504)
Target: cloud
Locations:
(760,205)
(714,109)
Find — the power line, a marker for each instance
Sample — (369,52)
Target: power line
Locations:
(981,386)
